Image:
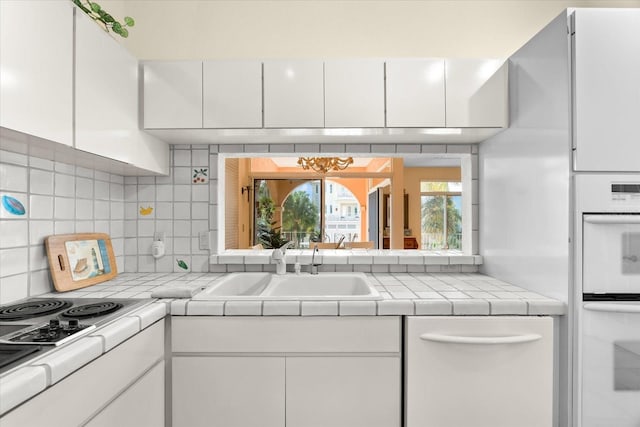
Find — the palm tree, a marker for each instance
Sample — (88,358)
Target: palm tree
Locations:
(300,215)
(433,219)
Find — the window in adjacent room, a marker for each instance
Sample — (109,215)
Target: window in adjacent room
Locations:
(441,215)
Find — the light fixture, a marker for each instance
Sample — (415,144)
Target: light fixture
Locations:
(324,164)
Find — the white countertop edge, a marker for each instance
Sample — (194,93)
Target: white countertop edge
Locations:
(20,385)
(386,307)
(345,256)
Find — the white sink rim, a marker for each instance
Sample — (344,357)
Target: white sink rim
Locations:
(235,286)
(273,291)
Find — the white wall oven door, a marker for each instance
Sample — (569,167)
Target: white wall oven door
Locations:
(611,254)
(610,364)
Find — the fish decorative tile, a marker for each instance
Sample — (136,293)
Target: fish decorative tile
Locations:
(201,176)
(13,205)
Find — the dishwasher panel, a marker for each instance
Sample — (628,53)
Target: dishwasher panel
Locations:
(479,371)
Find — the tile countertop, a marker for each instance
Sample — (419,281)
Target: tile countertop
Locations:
(403,294)
(22,383)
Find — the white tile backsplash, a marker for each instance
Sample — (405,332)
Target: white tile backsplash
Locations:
(13,178)
(41,182)
(14,261)
(13,233)
(84,188)
(40,207)
(13,288)
(64,208)
(65,185)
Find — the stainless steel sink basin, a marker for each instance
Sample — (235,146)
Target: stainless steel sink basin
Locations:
(269,286)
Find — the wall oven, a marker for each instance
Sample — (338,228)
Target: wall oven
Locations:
(608,339)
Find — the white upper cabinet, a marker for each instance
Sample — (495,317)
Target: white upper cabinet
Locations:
(106,94)
(606,81)
(106,102)
(293,94)
(476,93)
(354,93)
(415,93)
(173,95)
(36,71)
(232,92)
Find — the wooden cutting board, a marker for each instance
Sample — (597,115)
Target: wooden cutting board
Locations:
(80,260)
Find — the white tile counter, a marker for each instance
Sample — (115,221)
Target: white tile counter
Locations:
(420,294)
(20,384)
(402,293)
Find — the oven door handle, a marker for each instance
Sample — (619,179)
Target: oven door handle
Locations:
(612,219)
(613,308)
(454,339)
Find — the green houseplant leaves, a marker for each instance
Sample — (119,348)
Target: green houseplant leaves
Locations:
(98,14)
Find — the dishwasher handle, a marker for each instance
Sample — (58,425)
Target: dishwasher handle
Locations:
(454,339)
(612,219)
(612,308)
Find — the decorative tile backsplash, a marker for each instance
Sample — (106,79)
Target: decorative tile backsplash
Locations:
(60,198)
(56,198)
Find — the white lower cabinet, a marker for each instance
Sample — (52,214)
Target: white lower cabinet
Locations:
(479,371)
(141,405)
(286,371)
(228,391)
(124,387)
(350,391)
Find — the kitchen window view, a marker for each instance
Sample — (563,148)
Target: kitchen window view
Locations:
(272,201)
(313,211)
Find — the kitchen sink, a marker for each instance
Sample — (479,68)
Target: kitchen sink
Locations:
(241,285)
(269,286)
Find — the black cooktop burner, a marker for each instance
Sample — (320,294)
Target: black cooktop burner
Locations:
(31,309)
(91,310)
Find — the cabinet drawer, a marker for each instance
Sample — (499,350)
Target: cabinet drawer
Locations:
(285,334)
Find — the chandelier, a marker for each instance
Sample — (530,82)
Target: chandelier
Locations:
(324,164)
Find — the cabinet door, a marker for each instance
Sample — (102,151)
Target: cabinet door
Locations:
(415,93)
(343,391)
(173,94)
(228,391)
(294,94)
(232,92)
(607,90)
(476,94)
(36,79)
(106,93)
(479,371)
(141,405)
(354,93)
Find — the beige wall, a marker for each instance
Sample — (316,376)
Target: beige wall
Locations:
(211,29)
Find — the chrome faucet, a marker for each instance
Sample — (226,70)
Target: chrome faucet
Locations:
(313,268)
(279,256)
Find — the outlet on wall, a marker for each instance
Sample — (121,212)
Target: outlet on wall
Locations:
(204,240)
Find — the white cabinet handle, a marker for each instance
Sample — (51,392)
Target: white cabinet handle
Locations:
(453,339)
(612,219)
(613,308)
